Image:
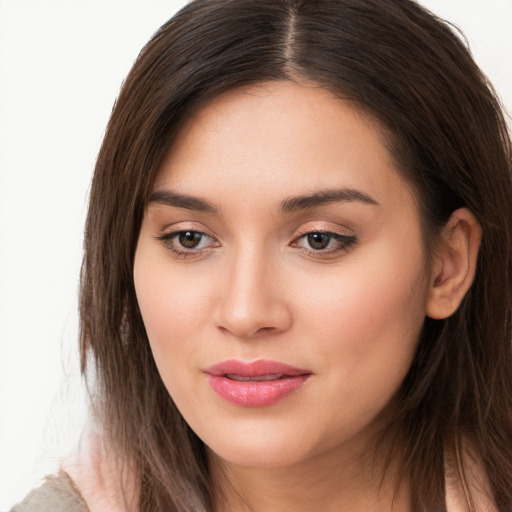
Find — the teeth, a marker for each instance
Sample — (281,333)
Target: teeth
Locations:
(270,376)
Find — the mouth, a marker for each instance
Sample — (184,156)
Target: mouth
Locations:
(257,378)
(256,384)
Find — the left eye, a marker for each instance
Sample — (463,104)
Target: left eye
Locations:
(187,241)
(327,242)
(319,241)
(190,239)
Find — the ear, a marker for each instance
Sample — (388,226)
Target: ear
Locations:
(454,265)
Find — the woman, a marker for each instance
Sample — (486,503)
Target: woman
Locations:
(296,284)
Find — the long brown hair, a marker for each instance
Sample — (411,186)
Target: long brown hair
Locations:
(446,131)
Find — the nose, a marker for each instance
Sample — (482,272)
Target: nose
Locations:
(253,300)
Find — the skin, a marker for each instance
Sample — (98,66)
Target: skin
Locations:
(254,288)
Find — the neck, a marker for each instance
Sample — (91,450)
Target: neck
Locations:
(330,482)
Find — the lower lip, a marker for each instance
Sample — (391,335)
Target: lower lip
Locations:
(256,393)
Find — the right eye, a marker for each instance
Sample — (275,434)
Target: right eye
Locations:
(185,243)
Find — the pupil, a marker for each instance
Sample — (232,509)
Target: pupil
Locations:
(318,240)
(189,239)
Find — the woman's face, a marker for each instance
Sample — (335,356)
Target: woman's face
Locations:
(280,275)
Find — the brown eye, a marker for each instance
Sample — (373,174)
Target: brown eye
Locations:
(318,241)
(188,243)
(324,244)
(190,239)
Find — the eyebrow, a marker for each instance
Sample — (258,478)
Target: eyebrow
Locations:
(289,205)
(324,197)
(182,201)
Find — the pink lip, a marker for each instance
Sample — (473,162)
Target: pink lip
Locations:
(270,381)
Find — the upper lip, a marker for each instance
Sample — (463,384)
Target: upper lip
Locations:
(256,368)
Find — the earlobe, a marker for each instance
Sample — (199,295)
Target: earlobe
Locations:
(454,266)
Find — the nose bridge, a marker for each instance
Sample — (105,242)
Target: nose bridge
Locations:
(251,300)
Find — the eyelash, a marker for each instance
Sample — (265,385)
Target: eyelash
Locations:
(169,239)
(343,243)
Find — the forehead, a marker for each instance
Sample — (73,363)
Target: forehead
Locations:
(279,139)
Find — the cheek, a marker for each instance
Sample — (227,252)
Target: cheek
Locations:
(383,287)
(170,296)
(366,323)
(168,304)
(173,308)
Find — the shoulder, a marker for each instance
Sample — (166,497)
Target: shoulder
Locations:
(56,494)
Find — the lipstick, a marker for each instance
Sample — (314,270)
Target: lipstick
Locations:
(256,384)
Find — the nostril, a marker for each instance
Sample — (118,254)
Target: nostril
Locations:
(248,334)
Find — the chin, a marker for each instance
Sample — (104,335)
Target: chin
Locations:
(256,456)
(265,447)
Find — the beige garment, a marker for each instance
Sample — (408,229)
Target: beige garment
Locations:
(57,494)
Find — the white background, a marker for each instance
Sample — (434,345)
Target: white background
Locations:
(61,66)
